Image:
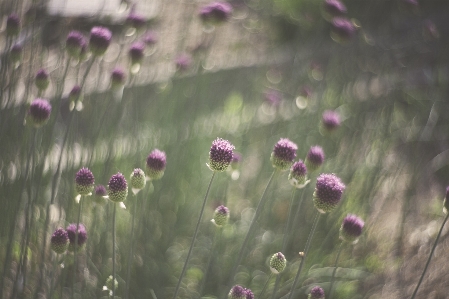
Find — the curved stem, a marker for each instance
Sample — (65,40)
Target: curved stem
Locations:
(306,250)
(335,270)
(430,257)
(265,285)
(113,249)
(130,257)
(194,237)
(212,255)
(75,252)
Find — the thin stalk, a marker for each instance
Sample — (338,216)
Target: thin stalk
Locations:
(75,253)
(335,270)
(305,252)
(113,250)
(130,257)
(265,285)
(430,257)
(194,238)
(52,287)
(217,236)
(251,228)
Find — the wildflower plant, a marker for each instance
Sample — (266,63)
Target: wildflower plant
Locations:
(298,175)
(39,112)
(237,292)
(156,164)
(284,154)
(328,191)
(315,158)
(84,181)
(117,188)
(316,293)
(59,241)
(99,41)
(215,12)
(221,216)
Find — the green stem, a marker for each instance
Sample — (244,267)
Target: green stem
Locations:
(75,252)
(113,250)
(305,252)
(194,237)
(130,257)
(430,257)
(335,270)
(265,285)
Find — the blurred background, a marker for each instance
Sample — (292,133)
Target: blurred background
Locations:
(267,72)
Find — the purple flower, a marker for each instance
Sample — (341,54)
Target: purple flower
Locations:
(99,194)
(342,29)
(100,38)
(221,216)
(41,80)
(16,53)
(156,163)
(39,112)
(298,175)
(334,8)
(331,120)
(284,153)
(84,181)
(237,292)
(138,179)
(150,38)
(75,43)
(315,158)
(316,293)
(135,20)
(82,236)
(117,188)
(136,52)
(273,97)
(75,93)
(12,25)
(220,155)
(216,12)
(277,263)
(351,228)
(183,61)
(249,294)
(118,78)
(59,241)
(328,191)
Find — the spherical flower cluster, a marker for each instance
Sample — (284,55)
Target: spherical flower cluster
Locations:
(99,194)
(315,158)
(342,29)
(118,78)
(75,44)
(12,25)
(183,61)
(136,52)
(277,263)
(284,153)
(298,175)
(117,188)
(42,80)
(328,191)
(82,236)
(39,112)
(221,216)
(249,294)
(331,120)
(59,241)
(316,293)
(100,38)
(156,163)
(334,8)
(15,53)
(220,155)
(135,20)
(216,12)
(84,181)
(138,179)
(237,292)
(351,228)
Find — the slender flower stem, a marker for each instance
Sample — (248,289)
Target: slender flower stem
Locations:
(335,270)
(265,285)
(130,257)
(214,253)
(75,252)
(430,257)
(305,252)
(251,228)
(113,249)
(52,286)
(194,237)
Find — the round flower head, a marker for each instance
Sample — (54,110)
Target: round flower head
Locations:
(298,175)
(183,62)
(221,216)
(99,194)
(331,120)
(100,38)
(328,191)
(216,12)
(277,263)
(334,8)
(446,201)
(82,236)
(138,179)
(135,20)
(15,53)
(351,228)
(59,241)
(75,93)
(84,181)
(237,292)
(342,29)
(315,157)
(283,155)
(39,112)
(41,80)
(150,38)
(75,43)
(249,294)
(273,97)
(316,293)
(156,163)
(220,155)
(117,188)
(136,52)
(12,25)
(118,78)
